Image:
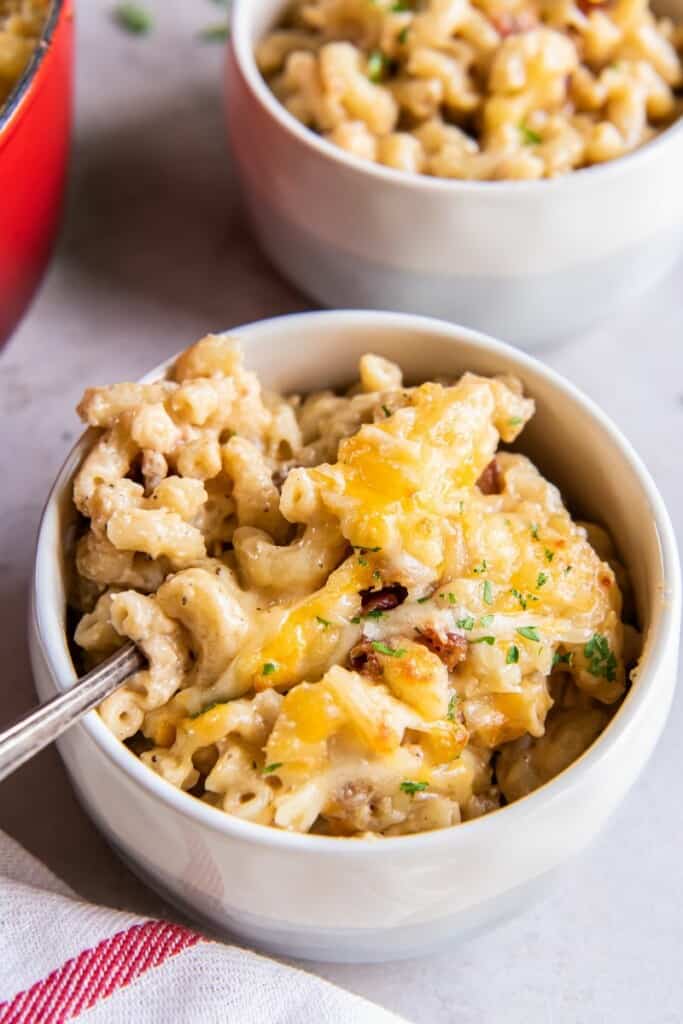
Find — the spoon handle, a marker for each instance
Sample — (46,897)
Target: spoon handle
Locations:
(34,730)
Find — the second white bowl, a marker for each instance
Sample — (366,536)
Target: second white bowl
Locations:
(533,262)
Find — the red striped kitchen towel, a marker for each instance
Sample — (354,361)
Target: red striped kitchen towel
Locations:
(62,959)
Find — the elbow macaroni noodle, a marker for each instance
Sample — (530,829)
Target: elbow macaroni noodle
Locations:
(21,24)
(478,89)
(359,615)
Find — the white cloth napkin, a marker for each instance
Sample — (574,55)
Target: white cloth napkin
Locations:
(62,959)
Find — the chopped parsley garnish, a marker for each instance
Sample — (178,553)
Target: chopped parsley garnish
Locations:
(482,567)
(529,633)
(451,597)
(214,34)
(355,620)
(362,561)
(541,579)
(363,549)
(529,136)
(421,600)
(512,656)
(515,421)
(534,531)
(382,648)
(601,660)
(269,668)
(399,6)
(569,568)
(133,18)
(413,787)
(376,613)
(466,624)
(403,35)
(490,640)
(209,707)
(488,592)
(377,575)
(270,768)
(485,621)
(562,659)
(387,412)
(323,622)
(549,554)
(520,597)
(452,701)
(377,65)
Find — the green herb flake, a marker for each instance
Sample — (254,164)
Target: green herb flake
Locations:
(363,549)
(515,421)
(269,668)
(133,19)
(601,660)
(520,597)
(323,622)
(422,600)
(363,561)
(451,597)
(377,64)
(209,707)
(488,592)
(568,569)
(387,412)
(562,659)
(482,567)
(542,579)
(490,640)
(392,652)
(529,136)
(399,7)
(466,624)
(413,787)
(270,768)
(512,656)
(549,554)
(534,530)
(403,35)
(485,621)
(214,34)
(529,633)
(355,620)
(376,613)
(452,701)
(377,575)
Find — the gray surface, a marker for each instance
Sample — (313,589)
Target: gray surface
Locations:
(154,254)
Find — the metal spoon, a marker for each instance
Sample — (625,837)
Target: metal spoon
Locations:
(34,730)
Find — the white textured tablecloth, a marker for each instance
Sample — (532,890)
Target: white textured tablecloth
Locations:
(155,253)
(62,960)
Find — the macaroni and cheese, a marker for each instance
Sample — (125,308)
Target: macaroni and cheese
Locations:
(478,89)
(21,24)
(359,615)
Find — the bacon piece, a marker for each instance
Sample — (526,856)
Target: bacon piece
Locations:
(491,481)
(363,658)
(383,600)
(451,648)
(586,6)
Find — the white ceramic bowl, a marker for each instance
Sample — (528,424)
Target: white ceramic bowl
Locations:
(342,899)
(533,262)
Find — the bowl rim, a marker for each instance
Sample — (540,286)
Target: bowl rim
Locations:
(24,85)
(47,630)
(239,45)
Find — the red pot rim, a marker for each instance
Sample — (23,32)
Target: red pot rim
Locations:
(23,86)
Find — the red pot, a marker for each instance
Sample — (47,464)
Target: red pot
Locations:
(35,128)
